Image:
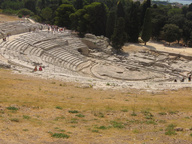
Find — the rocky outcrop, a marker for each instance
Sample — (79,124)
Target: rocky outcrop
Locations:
(5,66)
(100,43)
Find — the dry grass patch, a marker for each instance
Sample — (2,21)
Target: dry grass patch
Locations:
(7,18)
(44,111)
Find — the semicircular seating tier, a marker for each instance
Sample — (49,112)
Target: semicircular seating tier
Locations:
(43,48)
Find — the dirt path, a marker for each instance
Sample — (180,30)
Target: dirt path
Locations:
(159,47)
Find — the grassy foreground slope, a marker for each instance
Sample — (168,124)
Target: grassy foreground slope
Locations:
(34,110)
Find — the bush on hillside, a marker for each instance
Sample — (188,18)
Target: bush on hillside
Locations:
(9,11)
(25,12)
(36,18)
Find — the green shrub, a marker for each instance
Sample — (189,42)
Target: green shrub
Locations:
(170,130)
(102,127)
(135,131)
(73,111)
(173,112)
(124,110)
(73,120)
(26,117)
(12,108)
(117,124)
(25,12)
(147,114)
(133,114)
(61,117)
(60,135)
(162,121)
(9,11)
(108,84)
(80,115)
(151,122)
(96,131)
(36,18)
(14,120)
(58,107)
(162,113)
(100,114)
(20,16)
(2,112)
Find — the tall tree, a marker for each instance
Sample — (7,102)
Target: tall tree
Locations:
(189,15)
(79,4)
(146,4)
(174,11)
(79,21)
(31,5)
(133,25)
(187,29)
(110,23)
(184,10)
(177,19)
(46,14)
(96,16)
(147,27)
(62,15)
(60,2)
(159,18)
(171,32)
(120,10)
(190,7)
(43,4)
(119,36)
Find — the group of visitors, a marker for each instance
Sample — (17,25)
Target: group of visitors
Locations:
(40,68)
(54,29)
(183,79)
(6,37)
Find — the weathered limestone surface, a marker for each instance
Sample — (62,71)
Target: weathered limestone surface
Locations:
(92,57)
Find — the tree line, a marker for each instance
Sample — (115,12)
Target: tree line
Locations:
(119,20)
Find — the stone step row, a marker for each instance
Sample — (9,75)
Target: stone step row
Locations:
(46,45)
(16,45)
(63,53)
(75,52)
(67,61)
(33,51)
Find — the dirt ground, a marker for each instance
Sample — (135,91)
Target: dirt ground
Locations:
(34,110)
(7,18)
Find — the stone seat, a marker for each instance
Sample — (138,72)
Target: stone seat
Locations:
(46,45)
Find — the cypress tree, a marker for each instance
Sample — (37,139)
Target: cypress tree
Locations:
(147,27)
(110,23)
(120,10)
(119,36)
(146,4)
(133,25)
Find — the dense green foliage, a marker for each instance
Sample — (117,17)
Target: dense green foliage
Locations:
(62,15)
(110,24)
(171,32)
(101,17)
(119,37)
(147,27)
